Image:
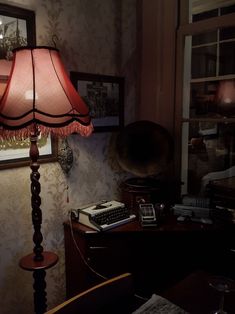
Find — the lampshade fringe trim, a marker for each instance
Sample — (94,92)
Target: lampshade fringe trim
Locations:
(74,127)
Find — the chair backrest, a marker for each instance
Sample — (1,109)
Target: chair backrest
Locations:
(111,296)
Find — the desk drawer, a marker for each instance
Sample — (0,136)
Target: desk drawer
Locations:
(110,256)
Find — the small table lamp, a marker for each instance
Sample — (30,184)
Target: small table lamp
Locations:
(40,99)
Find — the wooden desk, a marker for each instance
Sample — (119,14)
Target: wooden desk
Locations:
(157,257)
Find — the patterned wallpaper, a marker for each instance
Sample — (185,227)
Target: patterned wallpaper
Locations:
(95,36)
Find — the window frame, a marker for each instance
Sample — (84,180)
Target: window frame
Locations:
(187,28)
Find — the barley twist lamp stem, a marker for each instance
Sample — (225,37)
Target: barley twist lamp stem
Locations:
(35,198)
(38,261)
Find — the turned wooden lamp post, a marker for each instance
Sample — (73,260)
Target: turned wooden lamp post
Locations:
(40,99)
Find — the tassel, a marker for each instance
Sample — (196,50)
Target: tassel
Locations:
(67,193)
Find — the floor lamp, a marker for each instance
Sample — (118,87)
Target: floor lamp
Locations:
(39,99)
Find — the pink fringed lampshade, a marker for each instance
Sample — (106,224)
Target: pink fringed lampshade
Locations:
(40,92)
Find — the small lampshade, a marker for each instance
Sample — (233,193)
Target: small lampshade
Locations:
(39,92)
(225,97)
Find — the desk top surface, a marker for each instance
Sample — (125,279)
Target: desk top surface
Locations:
(169,224)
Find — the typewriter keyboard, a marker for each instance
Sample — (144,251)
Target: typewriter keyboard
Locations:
(108,217)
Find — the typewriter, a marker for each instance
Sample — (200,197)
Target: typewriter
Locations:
(104,215)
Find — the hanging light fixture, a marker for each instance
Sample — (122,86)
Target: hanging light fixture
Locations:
(40,99)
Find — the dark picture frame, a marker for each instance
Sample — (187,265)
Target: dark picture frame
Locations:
(104,95)
(16,154)
(17,29)
(19,21)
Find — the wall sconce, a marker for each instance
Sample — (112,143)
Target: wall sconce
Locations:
(65,156)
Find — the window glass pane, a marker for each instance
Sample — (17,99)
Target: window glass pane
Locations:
(206,9)
(202,100)
(208,144)
(227,10)
(227,33)
(206,69)
(204,38)
(227,59)
(204,61)
(210,155)
(214,58)
(212,99)
(205,15)
(208,98)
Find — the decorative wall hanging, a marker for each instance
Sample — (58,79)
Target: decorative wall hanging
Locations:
(105,97)
(65,156)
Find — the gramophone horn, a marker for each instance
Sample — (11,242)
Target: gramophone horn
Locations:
(144,148)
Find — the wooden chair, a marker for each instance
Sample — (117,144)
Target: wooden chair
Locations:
(115,295)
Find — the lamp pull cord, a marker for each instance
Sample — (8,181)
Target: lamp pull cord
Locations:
(67,191)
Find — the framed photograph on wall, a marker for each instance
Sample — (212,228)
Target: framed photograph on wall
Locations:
(16,153)
(104,96)
(3,83)
(17,28)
